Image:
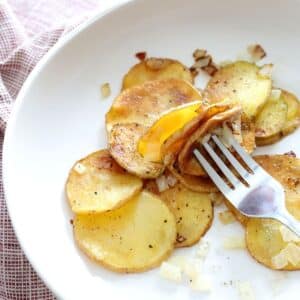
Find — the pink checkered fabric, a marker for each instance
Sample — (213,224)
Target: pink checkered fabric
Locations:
(28,28)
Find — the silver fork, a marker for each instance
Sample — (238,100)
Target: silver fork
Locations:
(259,196)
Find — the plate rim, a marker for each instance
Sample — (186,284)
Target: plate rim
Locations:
(28,83)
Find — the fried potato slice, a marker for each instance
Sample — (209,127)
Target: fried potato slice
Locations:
(193,213)
(240,81)
(263,236)
(270,120)
(134,111)
(123,140)
(145,103)
(278,117)
(133,238)
(264,242)
(97,183)
(156,68)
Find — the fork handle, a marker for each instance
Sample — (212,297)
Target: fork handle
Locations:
(287,219)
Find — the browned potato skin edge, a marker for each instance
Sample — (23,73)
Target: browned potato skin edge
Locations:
(193,242)
(95,211)
(274,138)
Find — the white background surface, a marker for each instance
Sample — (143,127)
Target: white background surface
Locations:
(60,117)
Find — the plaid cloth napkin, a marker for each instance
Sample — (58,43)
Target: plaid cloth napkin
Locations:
(28,28)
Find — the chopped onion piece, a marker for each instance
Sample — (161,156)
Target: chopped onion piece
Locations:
(287,235)
(266,70)
(170,272)
(199,53)
(202,62)
(279,261)
(162,183)
(201,283)
(256,52)
(192,268)
(203,249)
(275,94)
(234,242)
(80,168)
(171,180)
(246,291)
(292,252)
(226,217)
(105,90)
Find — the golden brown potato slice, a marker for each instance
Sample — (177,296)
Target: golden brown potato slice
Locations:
(123,140)
(278,117)
(156,68)
(193,213)
(97,183)
(264,242)
(242,82)
(134,111)
(133,238)
(270,121)
(145,103)
(263,237)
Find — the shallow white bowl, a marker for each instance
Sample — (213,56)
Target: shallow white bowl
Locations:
(59,117)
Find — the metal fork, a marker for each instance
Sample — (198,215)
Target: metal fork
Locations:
(254,192)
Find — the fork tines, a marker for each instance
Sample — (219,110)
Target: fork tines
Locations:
(233,177)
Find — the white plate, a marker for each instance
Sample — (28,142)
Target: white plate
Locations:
(59,117)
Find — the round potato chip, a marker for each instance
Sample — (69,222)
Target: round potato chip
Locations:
(240,81)
(133,238)
(193,213)
(277,118)
(97,183)
(156,68)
